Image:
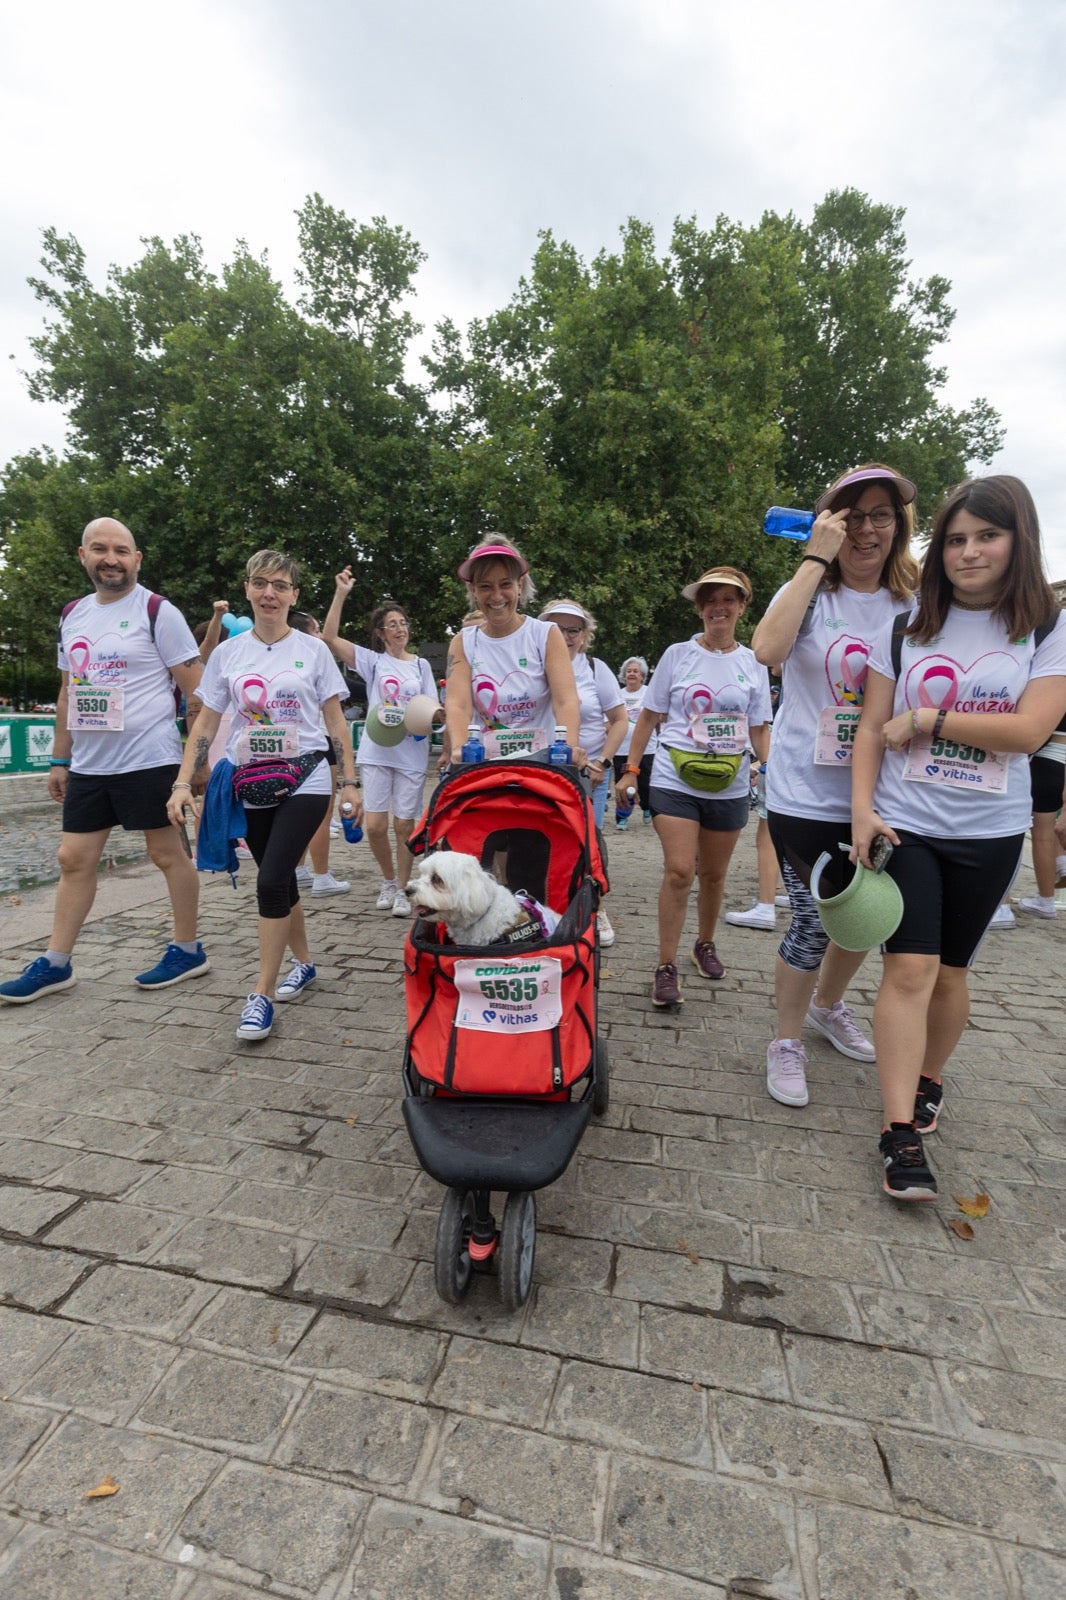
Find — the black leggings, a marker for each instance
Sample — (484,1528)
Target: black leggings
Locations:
(277,836)
(950,888)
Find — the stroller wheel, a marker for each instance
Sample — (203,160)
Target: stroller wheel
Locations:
(518,1244)
(601,1080)
(452,1266)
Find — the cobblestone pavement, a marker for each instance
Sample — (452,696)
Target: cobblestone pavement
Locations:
(742,1371)
(29,837)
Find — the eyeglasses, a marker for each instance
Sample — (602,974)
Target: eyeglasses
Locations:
(279,585)
(395,625)
(571,633)
(881,517)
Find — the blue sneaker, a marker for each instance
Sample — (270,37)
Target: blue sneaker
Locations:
(177,965)
(257,1018)
(302,974)
(40,977)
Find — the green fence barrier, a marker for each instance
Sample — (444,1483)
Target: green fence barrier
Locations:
(25,743)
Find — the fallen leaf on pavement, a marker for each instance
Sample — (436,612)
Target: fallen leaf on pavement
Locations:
(349,1122)
(963,1229)
(103,1490)
(977,1207)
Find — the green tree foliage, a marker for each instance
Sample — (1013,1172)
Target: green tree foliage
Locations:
(627,420)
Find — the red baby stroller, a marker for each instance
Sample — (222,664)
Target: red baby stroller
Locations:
(503,1065)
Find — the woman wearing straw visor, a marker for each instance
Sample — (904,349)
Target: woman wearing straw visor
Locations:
(711,697)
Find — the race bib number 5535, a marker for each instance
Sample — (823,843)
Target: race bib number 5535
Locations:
(509,996)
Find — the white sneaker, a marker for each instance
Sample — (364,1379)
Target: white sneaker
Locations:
(607,934)
(334,828)
(328,884)
(759,916)
(1004,918)
(837,1024)
(1037,906)
(1060,871)
(304,877)
(786,1072)
(388,894)
(783,901)
(401,906)
(243,852)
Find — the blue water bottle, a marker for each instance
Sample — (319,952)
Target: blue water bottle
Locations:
(559,752)
(473,750)
(787,523)
(352,831)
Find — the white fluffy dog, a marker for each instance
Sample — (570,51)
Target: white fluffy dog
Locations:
(475,908)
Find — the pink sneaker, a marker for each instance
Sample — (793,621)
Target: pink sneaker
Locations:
(837,1025)
(786,1074)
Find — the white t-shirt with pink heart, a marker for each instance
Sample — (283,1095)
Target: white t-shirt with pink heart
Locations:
(945,789)
(274,692)
(394,683)
(822,682)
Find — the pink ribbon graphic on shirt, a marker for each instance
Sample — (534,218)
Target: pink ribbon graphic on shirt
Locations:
(939,687)
(254,697)
(486,700)
(845,669)
(390,691)
(79,655)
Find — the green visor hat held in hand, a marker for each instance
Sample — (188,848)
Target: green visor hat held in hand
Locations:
(862,914)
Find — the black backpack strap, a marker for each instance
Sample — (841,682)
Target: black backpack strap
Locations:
(899,629)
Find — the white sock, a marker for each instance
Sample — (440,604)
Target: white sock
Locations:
(57,958)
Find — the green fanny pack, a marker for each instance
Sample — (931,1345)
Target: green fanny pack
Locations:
(704,770)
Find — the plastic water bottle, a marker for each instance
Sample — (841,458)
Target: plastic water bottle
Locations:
(622,812)
(352,831)
(787,523)
(559,752)
(760,788)
(473,750)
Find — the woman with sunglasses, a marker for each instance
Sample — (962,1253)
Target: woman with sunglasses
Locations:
(957,696)
(281,686)
(394,774)
(855,574)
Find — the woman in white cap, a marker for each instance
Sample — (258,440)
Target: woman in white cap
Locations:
(604,723)
(855,574)
(709,697)
(971,681)
(508,672)
(633,676)
(393,772)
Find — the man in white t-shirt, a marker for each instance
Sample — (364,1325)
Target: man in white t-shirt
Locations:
(116,754)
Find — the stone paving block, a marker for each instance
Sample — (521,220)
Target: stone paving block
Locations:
(100,1372)
(808,1305)
(1015,1404)
(31,1159)
(1040,1577)
(572,1322)
(352,1434)
(1034,1343)
(712,1238)
(43,1565)
(364,1277)
(26,1342)
(703,1527)
(275,1525)
(888,1558)
(20,1428)
(356,1142)
(802,1250)
(956,1274)
(668,1278)
(479,1313)
(407,1553)
(930,1324)
(392,1360)
(226,1252)
(105,1175)
(570,1263)
(27,1211)
(211,1398)
(27,1122)
(887,1385)
(1045,1291)
(113,1229)
(139,1299)
(35,1276)
(712,1351)
(345,1220)
(277,1127)
(186,1189)
(158,1479)
(370,1178)
(272,1205)
(1014,1497)
(192,1150)
(631,1411)
(253,1324)
(577,1575)
(208,1588)
(264,1164)
(802,1451)
(496,1381)
(712,1156)
(551,1486)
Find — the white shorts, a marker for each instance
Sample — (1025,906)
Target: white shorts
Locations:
(389,789)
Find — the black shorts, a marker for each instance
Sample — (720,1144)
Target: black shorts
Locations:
(950,888)
(1046,778)
(136,801)
(799,841)
(717,816)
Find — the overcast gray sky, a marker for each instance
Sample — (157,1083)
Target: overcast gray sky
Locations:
(475,123)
